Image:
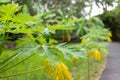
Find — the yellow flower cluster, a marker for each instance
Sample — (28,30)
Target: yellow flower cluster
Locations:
(110,34)
(49,67)
(108,37)
(96,54)
(60,72)
(83,41)
(74,59)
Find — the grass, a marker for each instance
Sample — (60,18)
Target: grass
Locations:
(79,69)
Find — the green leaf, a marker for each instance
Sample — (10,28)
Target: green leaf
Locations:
(60,27)
(67,51)
(7,11)
(28,49)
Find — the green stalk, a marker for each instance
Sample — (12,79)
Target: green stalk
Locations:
(8,58)
(17,63)
(88,68)
(95,68)
(8,61)
(17,74)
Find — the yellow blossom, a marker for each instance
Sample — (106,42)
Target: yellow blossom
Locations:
(68,38)
(97,55)
(109,34)
(108,39)
(47,62)
(74,59)
(51,70)
(83,41)
(60,72)
(90,54)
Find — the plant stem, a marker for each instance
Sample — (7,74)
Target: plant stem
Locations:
(8,58)
(95,68)
(17,63)
(88,68)
(8,61)
(17,74)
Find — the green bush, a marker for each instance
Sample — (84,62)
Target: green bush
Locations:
(36,45)
(111,19)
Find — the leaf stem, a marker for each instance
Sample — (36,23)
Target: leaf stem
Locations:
(17,63)
(17,74)
(8,58)
(8,61)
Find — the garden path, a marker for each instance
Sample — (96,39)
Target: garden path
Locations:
(112,70)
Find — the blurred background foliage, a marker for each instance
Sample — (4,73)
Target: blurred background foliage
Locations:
(68,6)
(111,19)
(52,11)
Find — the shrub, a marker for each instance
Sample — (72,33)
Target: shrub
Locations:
(37,40)
(111,19)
